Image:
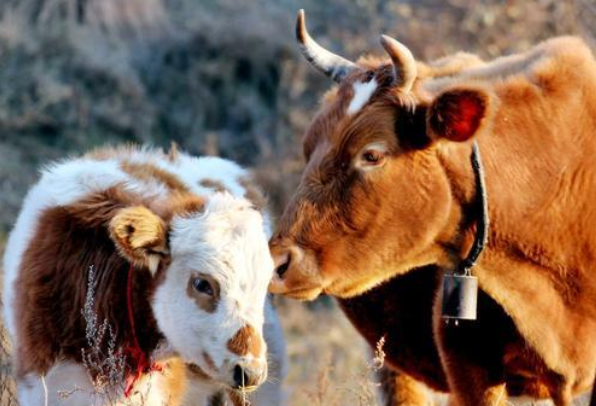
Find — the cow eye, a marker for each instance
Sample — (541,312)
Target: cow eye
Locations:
(372,157)
(203,286)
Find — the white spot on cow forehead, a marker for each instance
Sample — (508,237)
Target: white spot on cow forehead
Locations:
(362,94)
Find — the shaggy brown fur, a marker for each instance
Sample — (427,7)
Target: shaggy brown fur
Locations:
(254,194)
(80,233)
(345,233)
(213,184)
(50,312)
(146,172)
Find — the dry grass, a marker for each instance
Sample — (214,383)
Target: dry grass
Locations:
(216,76)
(327,358)
(103,360)
(7,385)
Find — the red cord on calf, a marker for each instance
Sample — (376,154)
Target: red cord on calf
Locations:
(139,362)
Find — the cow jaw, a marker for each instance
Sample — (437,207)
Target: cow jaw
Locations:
(278,286)
(298,276)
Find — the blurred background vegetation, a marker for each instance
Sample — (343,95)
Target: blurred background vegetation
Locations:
(224,77)
(216,76)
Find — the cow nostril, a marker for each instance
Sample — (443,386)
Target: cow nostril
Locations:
(241,379)
(282,268)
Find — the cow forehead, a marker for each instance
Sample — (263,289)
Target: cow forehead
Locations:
(341,106)
(334,134)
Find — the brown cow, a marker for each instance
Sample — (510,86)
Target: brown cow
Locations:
(386,205)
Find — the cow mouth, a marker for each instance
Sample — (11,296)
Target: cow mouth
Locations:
(280,286)
(305,294)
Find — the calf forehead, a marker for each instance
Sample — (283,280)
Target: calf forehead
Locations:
(231,243)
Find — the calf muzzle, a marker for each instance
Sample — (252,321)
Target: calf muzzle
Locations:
(247,376)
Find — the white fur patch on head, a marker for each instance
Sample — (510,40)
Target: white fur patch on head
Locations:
(362,94)
(228,243)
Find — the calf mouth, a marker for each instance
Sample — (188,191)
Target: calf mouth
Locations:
(198,372)
(245,389)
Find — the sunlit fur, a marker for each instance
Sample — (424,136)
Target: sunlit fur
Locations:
(221,234)
(533,115)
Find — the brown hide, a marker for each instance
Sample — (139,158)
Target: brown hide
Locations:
(53,284)
(347,231)
(403,309)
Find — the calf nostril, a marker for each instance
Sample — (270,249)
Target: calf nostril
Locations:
(240,377)
(283,267)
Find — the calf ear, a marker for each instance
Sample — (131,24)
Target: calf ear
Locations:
(457,114)
(140,236)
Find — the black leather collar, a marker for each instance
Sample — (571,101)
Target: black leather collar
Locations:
(460,287)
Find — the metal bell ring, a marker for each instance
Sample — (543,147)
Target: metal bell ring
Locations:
(460,297)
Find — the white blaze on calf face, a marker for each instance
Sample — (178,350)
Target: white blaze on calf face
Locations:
(226,245)
(362,94)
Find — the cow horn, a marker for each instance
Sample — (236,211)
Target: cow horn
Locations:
(330,64)
(404,64)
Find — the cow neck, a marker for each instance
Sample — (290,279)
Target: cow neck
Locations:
(481,204)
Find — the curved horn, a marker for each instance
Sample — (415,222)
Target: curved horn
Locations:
(404,64)
(330,64)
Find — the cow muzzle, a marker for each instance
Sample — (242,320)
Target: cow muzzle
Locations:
(296,273)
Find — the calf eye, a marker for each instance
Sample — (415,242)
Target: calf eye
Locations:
(203,286)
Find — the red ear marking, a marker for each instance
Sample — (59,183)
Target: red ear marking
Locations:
(457,115)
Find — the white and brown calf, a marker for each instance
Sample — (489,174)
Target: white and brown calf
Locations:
(190,233)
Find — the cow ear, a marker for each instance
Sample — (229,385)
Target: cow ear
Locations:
(457,114)
(140,236)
